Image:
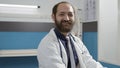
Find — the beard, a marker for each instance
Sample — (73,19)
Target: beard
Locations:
(64,26)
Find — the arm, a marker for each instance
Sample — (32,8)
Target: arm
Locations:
(87,58)
(49,56)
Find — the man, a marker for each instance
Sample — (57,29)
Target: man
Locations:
(61,49)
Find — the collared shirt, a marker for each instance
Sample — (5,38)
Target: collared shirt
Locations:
(65,43)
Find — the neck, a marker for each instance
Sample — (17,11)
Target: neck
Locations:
(65,34)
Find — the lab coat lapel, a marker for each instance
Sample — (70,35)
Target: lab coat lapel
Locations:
(79,54)
(64,54)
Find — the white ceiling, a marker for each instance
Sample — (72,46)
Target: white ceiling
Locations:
(21,2)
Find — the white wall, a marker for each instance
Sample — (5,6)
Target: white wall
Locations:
(34,15)
(108,32)
(89,11)
(119,27)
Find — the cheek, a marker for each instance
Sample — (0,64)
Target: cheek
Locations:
(59,19)
(72,20)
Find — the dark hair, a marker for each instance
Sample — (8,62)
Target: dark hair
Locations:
(54,10)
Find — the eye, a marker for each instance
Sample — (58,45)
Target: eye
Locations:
(61,14)
(70,14)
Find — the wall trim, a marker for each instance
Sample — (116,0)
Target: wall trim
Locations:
(90,26)
(19,52)
(25,26)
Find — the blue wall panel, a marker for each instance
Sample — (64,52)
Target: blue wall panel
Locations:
(90,40)
(27,40)
(20,40)
(18,62)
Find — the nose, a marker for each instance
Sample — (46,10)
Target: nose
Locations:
(66,17)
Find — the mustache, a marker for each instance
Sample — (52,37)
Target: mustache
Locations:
(67,21)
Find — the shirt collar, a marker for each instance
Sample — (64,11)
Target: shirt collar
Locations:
(59,35)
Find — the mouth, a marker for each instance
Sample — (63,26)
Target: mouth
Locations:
(66,22)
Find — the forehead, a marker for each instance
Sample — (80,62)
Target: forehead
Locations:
(64,7)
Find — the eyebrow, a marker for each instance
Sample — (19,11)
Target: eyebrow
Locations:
(67,12)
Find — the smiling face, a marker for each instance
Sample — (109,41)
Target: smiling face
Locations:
(64,17)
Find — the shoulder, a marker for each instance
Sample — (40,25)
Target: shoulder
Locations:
(50,37)
(49,41)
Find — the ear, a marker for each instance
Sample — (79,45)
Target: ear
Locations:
(53,17)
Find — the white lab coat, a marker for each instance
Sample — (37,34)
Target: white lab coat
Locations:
(49,53)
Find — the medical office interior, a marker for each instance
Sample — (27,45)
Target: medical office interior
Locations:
(22,28)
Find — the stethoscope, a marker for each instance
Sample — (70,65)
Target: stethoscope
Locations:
(60,44)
